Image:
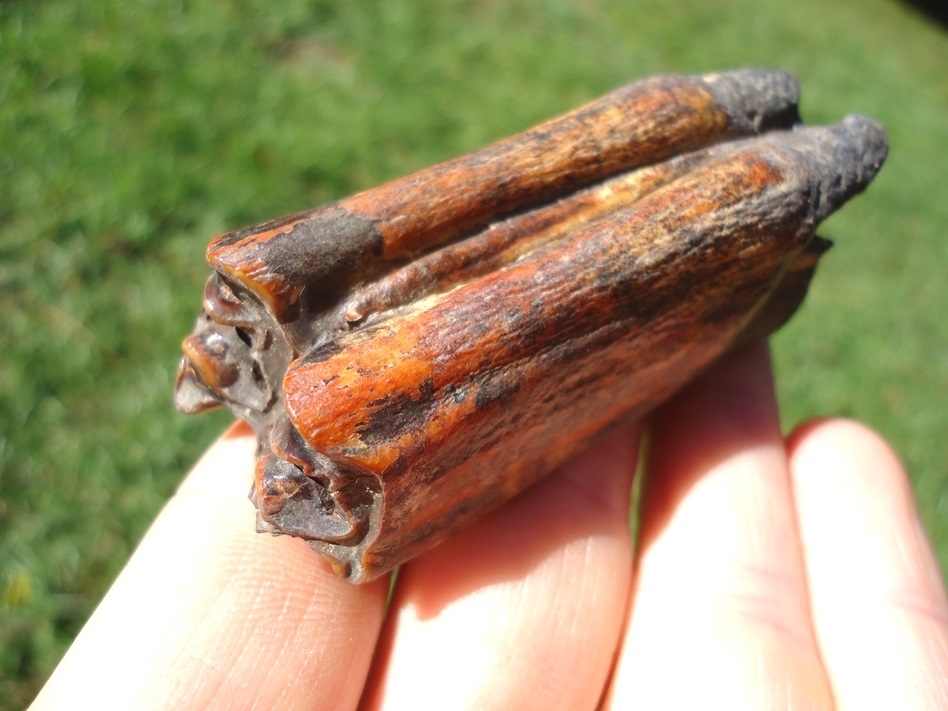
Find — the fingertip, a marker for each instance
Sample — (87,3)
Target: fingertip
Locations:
(853,495)
(209,613)
(804,429)
(876,594)
(841,429)
(833,447)
(238,430)
(719,560)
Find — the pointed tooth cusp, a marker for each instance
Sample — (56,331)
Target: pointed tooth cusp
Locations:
(191,395)
(224,305)
(210,357)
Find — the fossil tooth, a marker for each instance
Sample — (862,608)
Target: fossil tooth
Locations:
(413,356)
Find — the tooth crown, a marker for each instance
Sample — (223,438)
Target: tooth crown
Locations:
(415,355)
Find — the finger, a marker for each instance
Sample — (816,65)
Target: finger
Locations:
(209,613)
(522,610)
(878,601)
(719,608)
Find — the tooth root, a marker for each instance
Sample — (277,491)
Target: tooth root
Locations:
(209,354)
(191,395)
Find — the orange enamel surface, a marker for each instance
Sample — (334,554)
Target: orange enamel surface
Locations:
(423,377)
(633,126)
(242,262)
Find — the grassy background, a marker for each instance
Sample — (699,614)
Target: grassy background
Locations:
(133,131)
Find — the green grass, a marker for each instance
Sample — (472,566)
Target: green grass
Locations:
(133,131)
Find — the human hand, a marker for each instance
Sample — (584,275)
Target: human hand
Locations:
(769,574)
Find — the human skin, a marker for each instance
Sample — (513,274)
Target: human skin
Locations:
(769,573)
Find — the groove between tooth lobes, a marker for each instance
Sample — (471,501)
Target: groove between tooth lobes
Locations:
(507,240)
(633,126)
(382,392)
